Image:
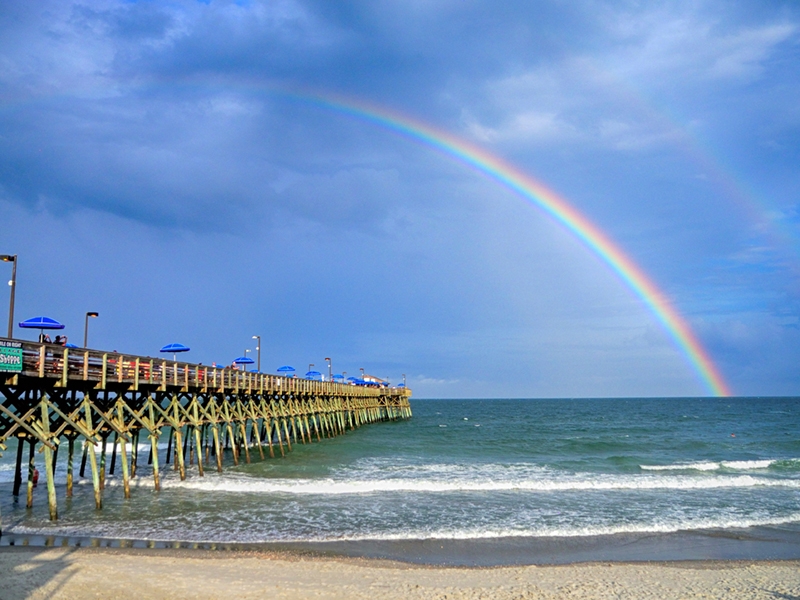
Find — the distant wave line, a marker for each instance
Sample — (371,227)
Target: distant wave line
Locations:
(335,488)
(739,465)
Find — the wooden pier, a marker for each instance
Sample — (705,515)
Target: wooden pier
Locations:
(50,394)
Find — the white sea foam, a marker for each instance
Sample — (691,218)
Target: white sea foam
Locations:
(738,465)
(587,482)
(703,466)
(250,535)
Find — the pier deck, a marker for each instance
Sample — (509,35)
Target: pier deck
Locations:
(50,394)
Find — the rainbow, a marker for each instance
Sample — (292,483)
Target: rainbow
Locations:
(551,203)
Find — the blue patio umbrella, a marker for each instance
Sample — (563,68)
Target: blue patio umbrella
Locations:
(286,369)
(41,323)
(175,348)
(338,378)
(314,376)
(352,379)
(401,385)
(243,360)
(70,346)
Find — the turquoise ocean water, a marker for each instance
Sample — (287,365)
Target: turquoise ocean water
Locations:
(464,472)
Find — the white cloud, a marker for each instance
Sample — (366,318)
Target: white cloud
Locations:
(674,47)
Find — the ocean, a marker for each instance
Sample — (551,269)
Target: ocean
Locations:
(477,482)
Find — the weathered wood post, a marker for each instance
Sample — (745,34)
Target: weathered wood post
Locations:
(126,484)
(198,445)
(217,449)
(70,453)
(31,471)
(243,429)
(268,435)
(48,460)
(179,453)
(89,448)
(134,453)
(104,439)
(18,469)
(278,434)
(258,439)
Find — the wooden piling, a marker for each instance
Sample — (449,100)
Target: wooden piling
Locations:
(126,484)
(48,460)
(231,440)
(154,451)
(89,448)
(286,432)
(70,451)
(199,451)
(278,434)
(243,429)
(31,470)
(134,453)
(268,435)
(179,453)
(258,439)
(104,439)
(18,468)
(154,435)
(217,451)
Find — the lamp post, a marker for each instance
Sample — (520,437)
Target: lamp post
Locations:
(310,365)
(258,348)
(12,258)
(404,380)
(94,315)
(330,369)
(245,355)
(362,372)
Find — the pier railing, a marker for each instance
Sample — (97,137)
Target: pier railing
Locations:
(50,394)
(76,367)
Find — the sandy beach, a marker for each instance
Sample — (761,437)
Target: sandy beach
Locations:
(126,573)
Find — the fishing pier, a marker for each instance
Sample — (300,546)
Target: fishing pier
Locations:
(51,394)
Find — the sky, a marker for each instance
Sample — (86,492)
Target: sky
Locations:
(163,164)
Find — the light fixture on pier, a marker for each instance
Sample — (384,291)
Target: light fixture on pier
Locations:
(12,258)
(330,369)
(258,348)
(94,315)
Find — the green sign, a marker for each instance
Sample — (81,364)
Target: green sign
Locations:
(10,359)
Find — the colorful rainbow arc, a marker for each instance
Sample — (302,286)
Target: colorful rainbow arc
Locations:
(541,196)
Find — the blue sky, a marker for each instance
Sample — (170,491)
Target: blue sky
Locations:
(152,171)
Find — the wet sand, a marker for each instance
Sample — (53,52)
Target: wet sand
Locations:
(28,572)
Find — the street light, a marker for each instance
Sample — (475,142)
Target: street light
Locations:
(362,372)
(310,365)
(404,380)
(258,337)
(12,258)
(330,369)
(94,315)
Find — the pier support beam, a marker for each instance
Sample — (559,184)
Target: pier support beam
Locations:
(70,453)
(48,461)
